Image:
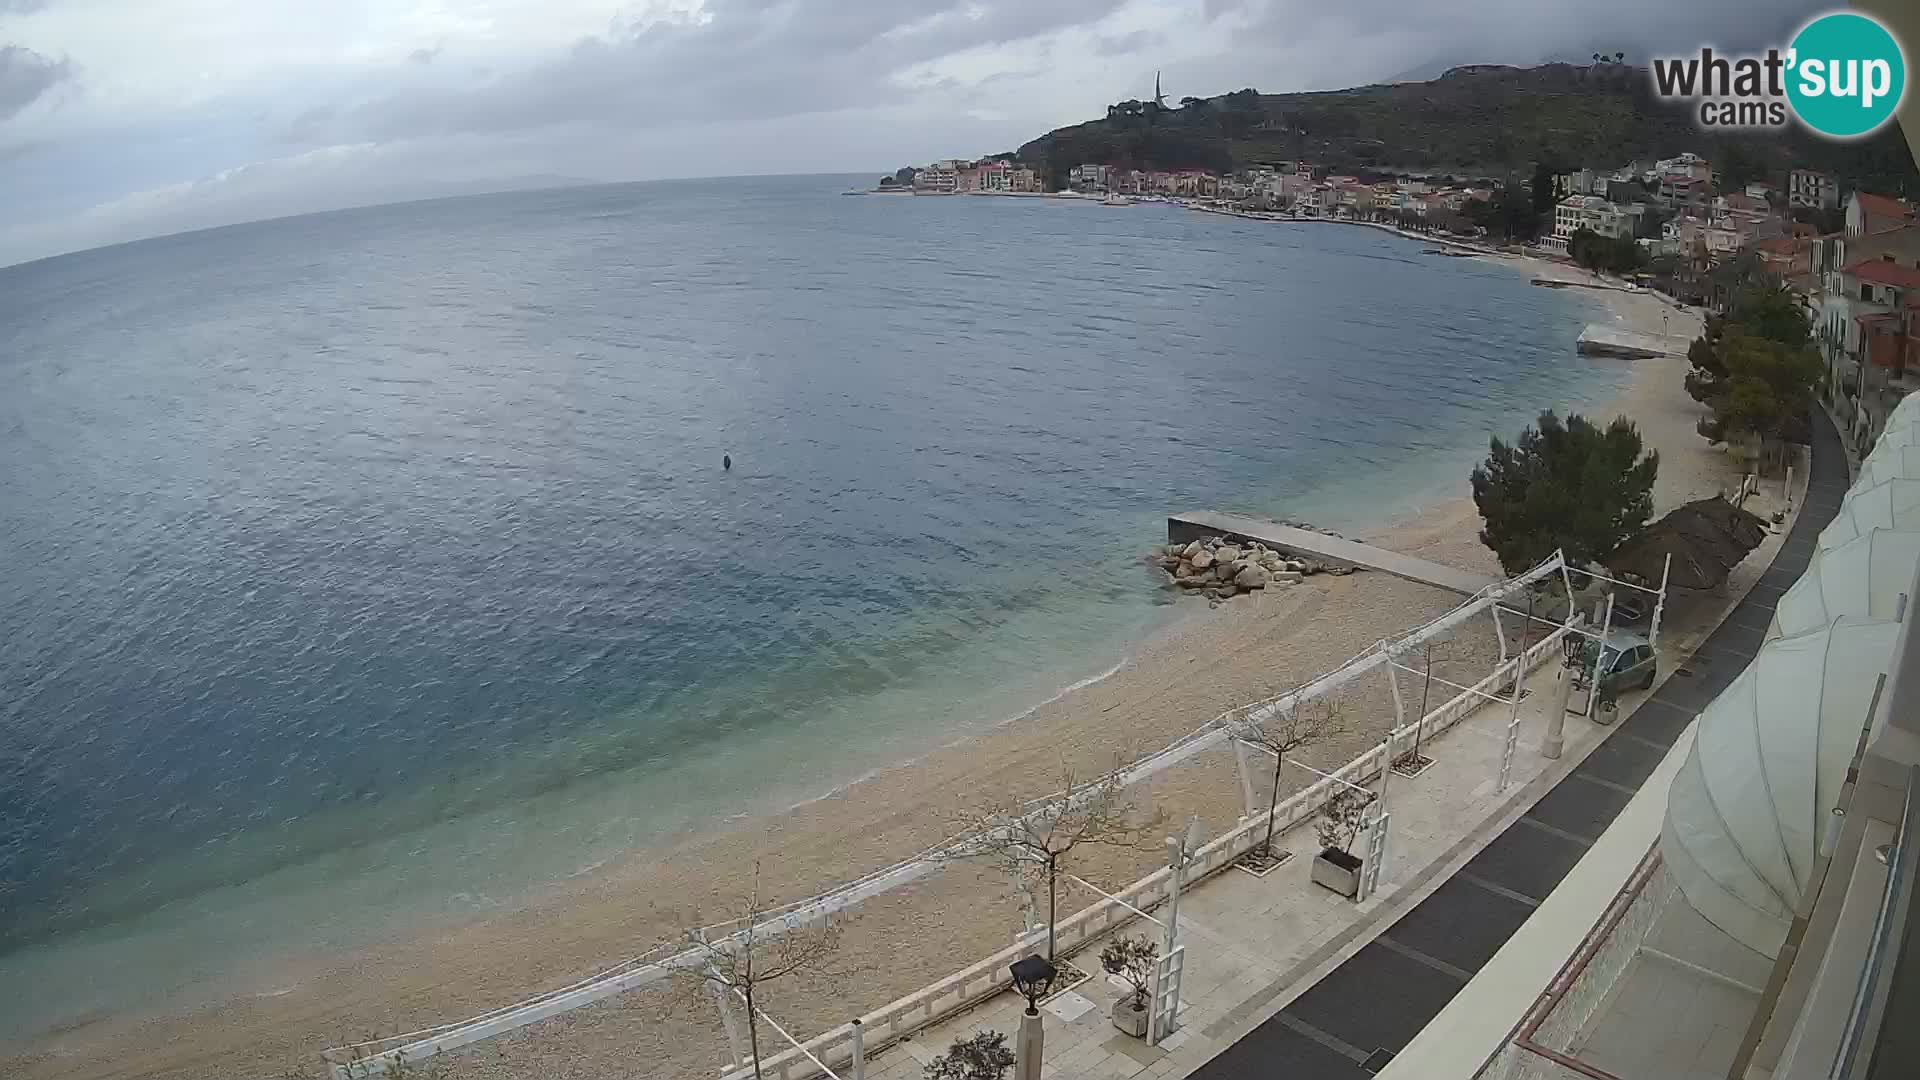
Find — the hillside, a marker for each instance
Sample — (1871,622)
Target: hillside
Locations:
(1484,120)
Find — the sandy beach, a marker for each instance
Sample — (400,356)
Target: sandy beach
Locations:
(1208,661)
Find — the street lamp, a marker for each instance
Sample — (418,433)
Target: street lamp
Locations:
(1032,976)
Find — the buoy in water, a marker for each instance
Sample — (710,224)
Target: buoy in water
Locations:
(726,461)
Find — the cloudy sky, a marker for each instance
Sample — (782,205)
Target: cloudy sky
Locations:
(127,118)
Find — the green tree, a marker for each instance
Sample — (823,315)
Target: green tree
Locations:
(1543,192)
(1571,486)
(1764,389)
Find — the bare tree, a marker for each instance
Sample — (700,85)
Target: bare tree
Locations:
(1413,760)
(1284,731)
(1031,839)
(740,964)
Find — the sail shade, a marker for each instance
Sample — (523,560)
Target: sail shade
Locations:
(1747,811)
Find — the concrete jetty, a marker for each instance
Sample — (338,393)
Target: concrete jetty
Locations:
(1319,547)
(1601,340)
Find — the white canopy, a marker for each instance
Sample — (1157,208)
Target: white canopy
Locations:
(1864,576)
(1890,504)
(1889,462)
(1906,413)
(1747,811)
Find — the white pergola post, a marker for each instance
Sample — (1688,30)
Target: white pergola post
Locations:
(724,1002)
(859,1041)
(1660,603)
(1399,705)
(1246,776)
(1600,656)
(1513,726)
(1500,633)
(1556,739)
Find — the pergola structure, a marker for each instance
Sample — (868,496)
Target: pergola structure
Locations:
(378,1057)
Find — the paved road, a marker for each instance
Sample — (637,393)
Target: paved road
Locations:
(1351,1022)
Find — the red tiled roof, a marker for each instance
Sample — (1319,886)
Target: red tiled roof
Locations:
(1882,272)
(1882,205)
(1779,245)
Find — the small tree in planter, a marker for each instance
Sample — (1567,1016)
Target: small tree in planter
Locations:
(982,1055)
(1337,867)
(1031,839)
(1284,732)
(1132,959)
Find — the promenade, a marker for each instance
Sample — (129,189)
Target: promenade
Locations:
(1285,978)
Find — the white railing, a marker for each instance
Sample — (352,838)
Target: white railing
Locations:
(373,1058)
(1541,1046)
(932,1003)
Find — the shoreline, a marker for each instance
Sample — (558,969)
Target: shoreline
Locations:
(1196,663)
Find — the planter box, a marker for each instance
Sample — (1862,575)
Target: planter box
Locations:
(1338,871)
(1129,1019)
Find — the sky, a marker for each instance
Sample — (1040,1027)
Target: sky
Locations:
(128,118)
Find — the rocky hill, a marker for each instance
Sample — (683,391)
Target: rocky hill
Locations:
(1480,120)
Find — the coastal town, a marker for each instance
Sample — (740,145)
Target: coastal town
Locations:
(1676,224)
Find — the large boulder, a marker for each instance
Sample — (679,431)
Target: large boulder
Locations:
(1201,559)
(1226,553)
(1251,577)
(1191,550)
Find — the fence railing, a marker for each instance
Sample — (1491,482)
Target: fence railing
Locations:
(963,989)
(1541,1046)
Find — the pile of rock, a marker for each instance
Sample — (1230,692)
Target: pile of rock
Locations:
(1223,568)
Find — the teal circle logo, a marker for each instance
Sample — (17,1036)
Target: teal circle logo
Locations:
(1847,75)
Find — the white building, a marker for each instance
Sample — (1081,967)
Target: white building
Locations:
(939,178)
(1576,212)
(1808,188)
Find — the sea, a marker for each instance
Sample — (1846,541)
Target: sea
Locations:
(386,565)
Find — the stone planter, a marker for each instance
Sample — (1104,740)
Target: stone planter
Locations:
(1130,1019)
(1338,871)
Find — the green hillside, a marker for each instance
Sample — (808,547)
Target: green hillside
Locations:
(1478,121)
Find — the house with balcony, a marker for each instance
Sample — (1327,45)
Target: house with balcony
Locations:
(1089,178)
(1576,212)
(939,178)
(1807,187)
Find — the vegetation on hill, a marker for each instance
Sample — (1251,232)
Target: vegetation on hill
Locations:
(1485,120)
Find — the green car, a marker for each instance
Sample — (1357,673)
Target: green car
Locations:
(1626,663)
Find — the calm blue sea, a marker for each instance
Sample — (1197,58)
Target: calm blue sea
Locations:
(381,563)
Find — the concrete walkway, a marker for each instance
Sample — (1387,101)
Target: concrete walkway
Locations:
(1320,547)
(1252,941)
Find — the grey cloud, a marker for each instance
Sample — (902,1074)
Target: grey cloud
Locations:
(424,56)
(25,75)
(1124,44)
(744,62)
(21,7)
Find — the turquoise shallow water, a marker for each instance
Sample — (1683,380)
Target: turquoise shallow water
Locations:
(380,563)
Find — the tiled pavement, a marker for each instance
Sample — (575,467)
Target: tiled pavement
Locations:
(1347,1025)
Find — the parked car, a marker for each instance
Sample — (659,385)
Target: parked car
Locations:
(1626,663)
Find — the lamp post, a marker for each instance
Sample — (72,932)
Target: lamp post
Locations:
(1032,977)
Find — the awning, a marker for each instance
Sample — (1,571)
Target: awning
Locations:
(1890,504)
(1748,811)
(1864,576)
